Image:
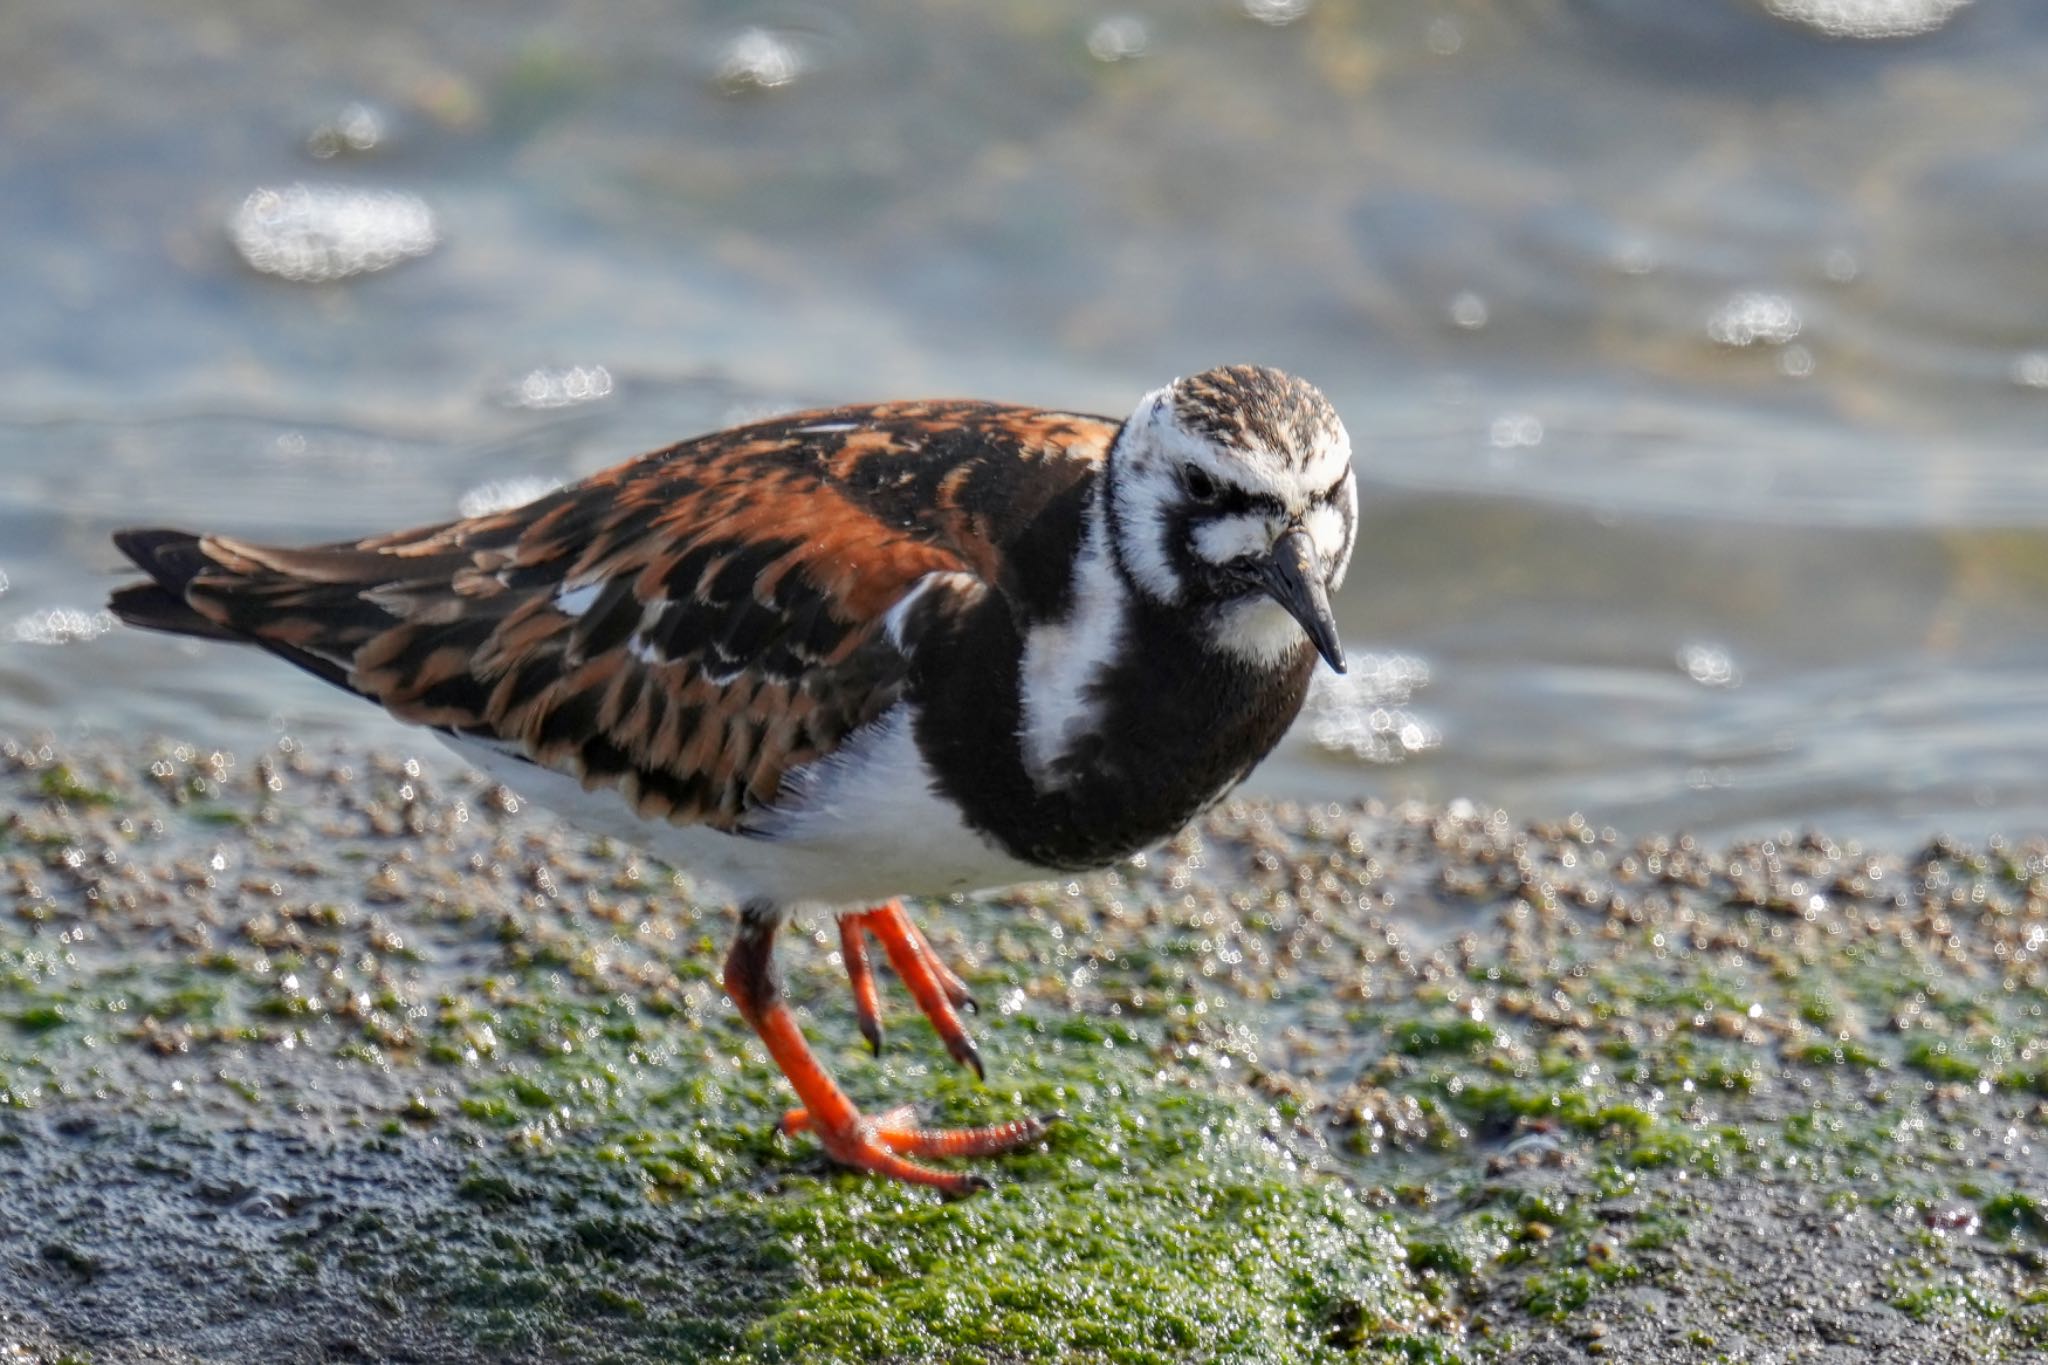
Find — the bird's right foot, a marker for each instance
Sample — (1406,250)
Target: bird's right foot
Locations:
(885,1143)
(939,992)
(889,1143)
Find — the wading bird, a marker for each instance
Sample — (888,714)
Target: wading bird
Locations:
(849,655)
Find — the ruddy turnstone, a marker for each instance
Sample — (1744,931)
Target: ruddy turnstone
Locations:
(848,655)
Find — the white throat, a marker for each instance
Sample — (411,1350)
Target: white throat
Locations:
(1258,631)
(1065,659)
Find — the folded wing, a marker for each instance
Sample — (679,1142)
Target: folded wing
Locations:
(687,627)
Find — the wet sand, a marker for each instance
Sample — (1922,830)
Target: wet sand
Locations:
(341,1055)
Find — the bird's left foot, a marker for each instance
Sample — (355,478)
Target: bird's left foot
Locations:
(938,991)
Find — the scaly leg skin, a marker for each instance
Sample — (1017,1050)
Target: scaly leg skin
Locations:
(938,992)
(883,1144)
(867,1002)
(956,989)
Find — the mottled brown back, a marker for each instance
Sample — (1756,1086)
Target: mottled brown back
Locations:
(732,593)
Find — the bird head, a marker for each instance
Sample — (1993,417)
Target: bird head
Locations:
(1231,497)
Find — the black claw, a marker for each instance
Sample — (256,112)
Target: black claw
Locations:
(871,1029)
(976,1184)
(1048,1120)
(968,1055)
(968,1003)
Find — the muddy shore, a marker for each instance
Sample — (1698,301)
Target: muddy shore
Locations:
(348,1056)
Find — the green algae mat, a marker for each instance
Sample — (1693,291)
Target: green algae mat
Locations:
(342,1057)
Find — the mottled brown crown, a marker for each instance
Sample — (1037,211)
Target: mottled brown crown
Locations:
(1252,408)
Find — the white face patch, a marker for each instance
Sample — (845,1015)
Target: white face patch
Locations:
(1329,531)
(1342,530)
(1228,538)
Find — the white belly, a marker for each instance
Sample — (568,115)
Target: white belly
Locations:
(857,827)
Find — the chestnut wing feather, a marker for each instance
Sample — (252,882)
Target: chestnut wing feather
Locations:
(689,626)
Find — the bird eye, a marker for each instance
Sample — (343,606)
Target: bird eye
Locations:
(1200,486)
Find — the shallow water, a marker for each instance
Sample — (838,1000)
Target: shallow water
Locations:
(1696,359)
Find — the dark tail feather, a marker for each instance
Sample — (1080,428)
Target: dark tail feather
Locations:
(150,607)
(172,558)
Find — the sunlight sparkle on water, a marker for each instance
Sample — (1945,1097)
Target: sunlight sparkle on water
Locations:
(313,234)
(1709,666)
(500,495)
(354,129)
(544,388)
(1754,318)
(60,626)
(760,59)
(1867,18)
(1445,36)
(1514,430)
(1363,713)
(1119,38)
(1276,12)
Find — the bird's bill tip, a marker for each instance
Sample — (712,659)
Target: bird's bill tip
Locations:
(1294,579)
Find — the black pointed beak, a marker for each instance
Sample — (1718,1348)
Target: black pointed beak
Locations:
(1293,578)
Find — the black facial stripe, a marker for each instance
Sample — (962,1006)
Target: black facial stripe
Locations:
(1232,501)
(1180,540)
(1330,495)
(1207,585)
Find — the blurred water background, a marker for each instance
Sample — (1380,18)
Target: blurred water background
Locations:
(1696,354)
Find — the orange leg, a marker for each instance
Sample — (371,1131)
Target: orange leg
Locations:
(883,1144)
(956,989)
(938,992)
(867,1002)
